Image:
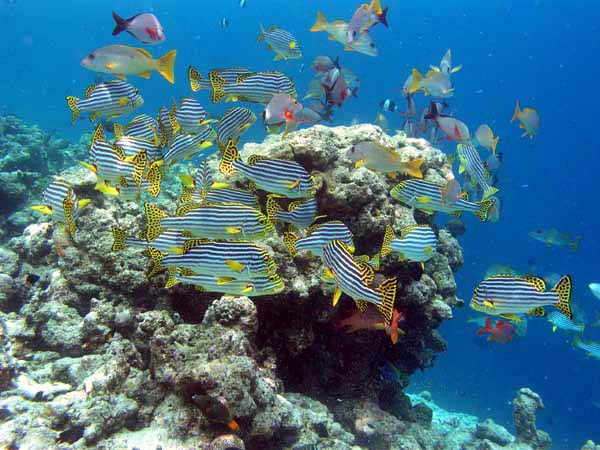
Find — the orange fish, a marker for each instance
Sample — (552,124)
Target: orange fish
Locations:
(371,319)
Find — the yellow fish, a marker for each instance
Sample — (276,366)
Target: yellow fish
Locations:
(529,118)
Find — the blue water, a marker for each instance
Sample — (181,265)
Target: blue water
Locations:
(543,52)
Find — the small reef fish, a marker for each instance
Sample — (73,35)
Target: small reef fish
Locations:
(592,349)
(144,27)
(213,221)
(364,18)
(454,129)
(109,99)
(353,278)
(556,238)
(507,295)
(451,191)
(502,332)
(61,203)
(379,158)
(132,145)
(416,243)
(427,196)
(389,105)
(595,288)
(121,60)
(229,75)
(529,120)
(560,321)
(187,146)
(224,22)
(317,237)
(188,116)
(234,122)
(446,64)
(300,213)
(471,162)
(338,31)
(263,285)
(282,108)
(166,242)
(141,126)
(280,41)
(485,137)
(435,84)
(240,260)
(215,410)
(287,178)
(370,319)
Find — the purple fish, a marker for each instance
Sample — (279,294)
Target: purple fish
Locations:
(144,27)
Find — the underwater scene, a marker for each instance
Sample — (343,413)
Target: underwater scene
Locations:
(300,225)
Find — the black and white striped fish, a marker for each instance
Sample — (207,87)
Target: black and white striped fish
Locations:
(166,242)
(132,145)
(471,162)
(229,75)
(287,178)
(318,236)
(507,295)
(109,99)
(234,123)
(353,277)
(241,260)
(300,213)
(187,146)
(60,202)
(257,87)
(213,221)
(281,41)
(189,117)
(141,126)
(416,243)
(427,196)
(264,285)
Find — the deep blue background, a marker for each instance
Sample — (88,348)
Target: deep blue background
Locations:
(543,52)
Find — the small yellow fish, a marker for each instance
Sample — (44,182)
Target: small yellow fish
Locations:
(380,158)
(485,137)
(529,118)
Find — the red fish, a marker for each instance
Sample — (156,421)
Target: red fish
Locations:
(372,320)
(502,333)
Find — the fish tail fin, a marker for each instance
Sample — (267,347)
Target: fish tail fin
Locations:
(484,207)
(517,112)
(139,163)
(563,288)
(388,237)
(290,239)
(433,112)
(166,66)
(272,209)
(487,328)
(413,168)
(230,155)
(153,216)
(119,236)
(217,84)
(383,16)
(261,35)
(490,192)
(320,23)
(156,257)
(172,279)
(72,102)
(120,24)
(388,296)
(416,81)
(575,244)
(495,144)
(154,177)
(195,78)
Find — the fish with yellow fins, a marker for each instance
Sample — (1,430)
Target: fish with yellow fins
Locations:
(528,118)
(281,41)
(445,66)
(121,60)
(379,158)
(338,31)
(436,84)
(485,137)
(364,18)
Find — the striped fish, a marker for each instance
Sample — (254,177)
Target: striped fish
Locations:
(471,162)
(257,87)
(318,236)
(353,277)
(427,197)
(558,320)
(300,213)
(132,145)
(264,285)
(141,126)
(233,124)
(166,242)
(591,348)
(109,99)
(507,295)
(282,42)
(189,117)
(241,260)
(416,243)
(287,178)
(229,75)
(213,221)
(187,146)
(61,203)
(165,127)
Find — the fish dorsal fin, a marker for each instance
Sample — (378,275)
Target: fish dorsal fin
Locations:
(310,230)
(538,283)
(537,312)
(367,273)
(253,159)
(184,209)
(90,89)
(271,28)
(295,204)
(144,52)
(408,229)
(361,305)
(338,22)
(242,77)
(191,243)
(119,151)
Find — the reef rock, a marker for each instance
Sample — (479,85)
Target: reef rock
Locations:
(525,405)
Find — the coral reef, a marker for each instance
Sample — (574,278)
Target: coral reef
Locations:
(92,354)
(525,405)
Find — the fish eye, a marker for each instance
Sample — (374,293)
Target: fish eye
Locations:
(91,56)
(372,45)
